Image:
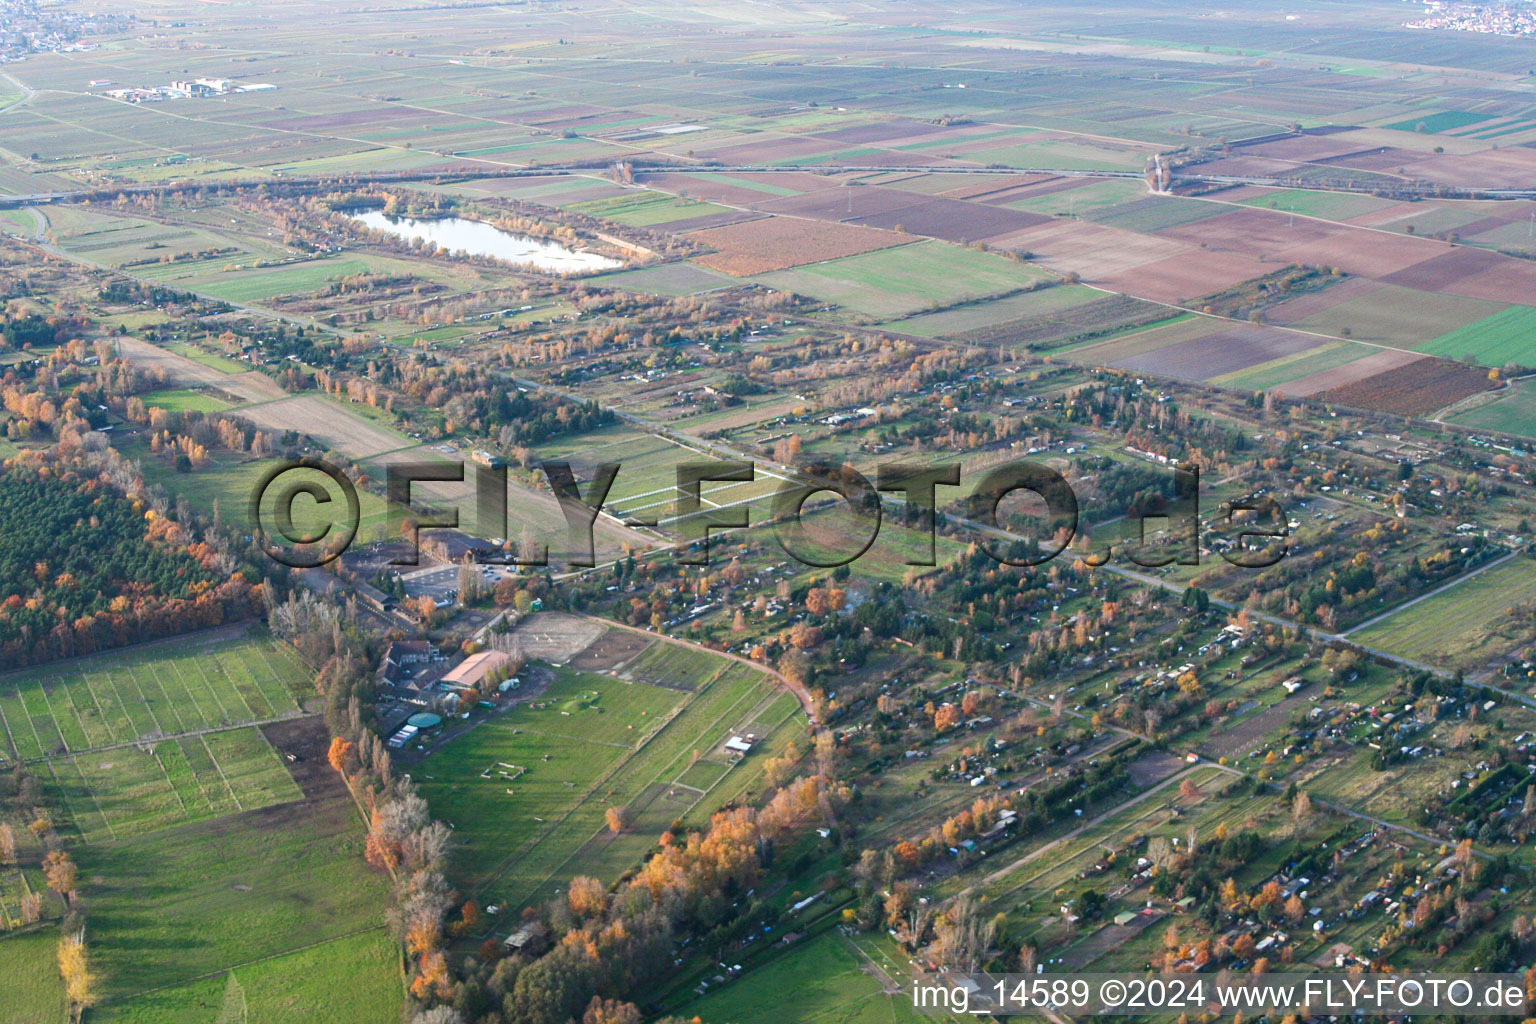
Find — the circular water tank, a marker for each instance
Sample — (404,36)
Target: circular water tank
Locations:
(425,720)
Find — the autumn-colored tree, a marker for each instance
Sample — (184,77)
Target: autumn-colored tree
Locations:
(7,845)
(422,935)
(1294,910)
(1189,789)
(379,849)
(587,897)
(945,717)
(817,602)
(615,818)
(79,983)
(343,756)
(32,908)
(432,977)
(60,872)
(1232,900)
(610,1011)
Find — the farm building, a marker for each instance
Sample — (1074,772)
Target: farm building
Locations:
(738,745)
(475,669)
(521,937)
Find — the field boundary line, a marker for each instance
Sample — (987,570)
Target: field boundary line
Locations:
(262,646)
(169,700)
(10,740)
(207,685)
(41,689)
(248,963)
(220,769)
(197,777)
(79,715)
(165,774)
(141,741)
(144,697)
(228,680)
(91,790)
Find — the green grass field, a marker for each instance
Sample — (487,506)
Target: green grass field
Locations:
(114,737)
(907,279)
(192,683)
(184,400)
(229,891)
(1459,627)
(32,992)
(591,742)
(353,978)
(1440,121)
(822,979)
(1327,205)
(1512,412)
(641,209)
(1504,337)
(206,358)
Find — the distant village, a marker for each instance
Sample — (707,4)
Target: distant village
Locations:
(1517,19)
(27,27)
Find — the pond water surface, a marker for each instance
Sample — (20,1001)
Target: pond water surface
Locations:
(458,234)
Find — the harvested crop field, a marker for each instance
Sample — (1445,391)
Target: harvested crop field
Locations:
(1314,302)
(1214,355)
(246,387)
(1053,303)
(1402,317)
(898,282)
(1276,236)
(666,279)
(954,220)
(1325,378)
(1182,278)
(778,243)
(327,422)
(1286,369)
(1475,273)
(1095,252)
(1415,389)
(1049,330)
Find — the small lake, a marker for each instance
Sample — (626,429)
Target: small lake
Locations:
(456,234)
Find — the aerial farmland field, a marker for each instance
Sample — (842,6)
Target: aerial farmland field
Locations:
(908,279)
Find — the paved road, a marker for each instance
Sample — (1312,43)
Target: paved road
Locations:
(498,170)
